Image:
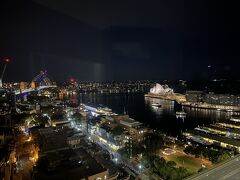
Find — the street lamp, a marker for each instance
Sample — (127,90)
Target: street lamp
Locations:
(140,166)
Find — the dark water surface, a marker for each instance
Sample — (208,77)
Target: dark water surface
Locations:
(163,118)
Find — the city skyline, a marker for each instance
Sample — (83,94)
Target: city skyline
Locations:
(119,90)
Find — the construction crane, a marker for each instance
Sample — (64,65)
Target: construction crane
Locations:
(6,61)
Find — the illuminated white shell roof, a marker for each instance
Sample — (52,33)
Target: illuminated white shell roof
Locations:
(159,89)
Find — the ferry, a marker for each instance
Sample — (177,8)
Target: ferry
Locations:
(235,118)
(97,109)
(156,105)
(181,113)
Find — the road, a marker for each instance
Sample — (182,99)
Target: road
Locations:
(25,167)
(228,170)
(23,151)
(117,158)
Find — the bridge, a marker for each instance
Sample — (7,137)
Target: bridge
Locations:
(31,89)
(39,82)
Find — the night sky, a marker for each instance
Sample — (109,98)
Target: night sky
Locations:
(120,40)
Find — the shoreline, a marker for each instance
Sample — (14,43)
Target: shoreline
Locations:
(198,105)
(160,97)
(216,107)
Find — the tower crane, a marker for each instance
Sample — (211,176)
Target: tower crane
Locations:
(6,61)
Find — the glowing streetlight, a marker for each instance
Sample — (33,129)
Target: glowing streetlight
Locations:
(140,167)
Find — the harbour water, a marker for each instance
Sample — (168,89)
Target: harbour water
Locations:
(162,118)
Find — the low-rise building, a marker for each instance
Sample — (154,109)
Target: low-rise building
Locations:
(229,124)
(130,123)
(221,141)
(212,100)
(73,164)
(49,141)
(56,146)
(194,96)
(74,140)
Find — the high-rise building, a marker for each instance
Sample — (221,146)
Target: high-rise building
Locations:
(33,85)
(23,85)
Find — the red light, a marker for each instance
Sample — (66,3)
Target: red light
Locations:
(72,80)
(7,60)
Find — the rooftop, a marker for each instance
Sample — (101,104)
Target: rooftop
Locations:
(51,141)
(236,131)
(88,167)
(216,137)
(130,122)
(230,123)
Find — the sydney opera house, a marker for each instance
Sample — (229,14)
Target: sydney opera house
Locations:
(161,90)
(164,92)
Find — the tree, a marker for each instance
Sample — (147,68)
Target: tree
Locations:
(77,116)
(201,169)
(182,173)
(189,150)
(223,156)
(173,174)
(153,142)
(171,164)
(164,169)
(117,130)
(159,163)
(212,154)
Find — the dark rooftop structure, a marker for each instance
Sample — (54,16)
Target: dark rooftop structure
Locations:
(222,139)
(231,130)
(85,167)
(50,141)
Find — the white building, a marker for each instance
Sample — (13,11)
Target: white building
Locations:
(162,90)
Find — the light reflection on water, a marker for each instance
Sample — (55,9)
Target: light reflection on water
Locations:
(166,106)
(163,118)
